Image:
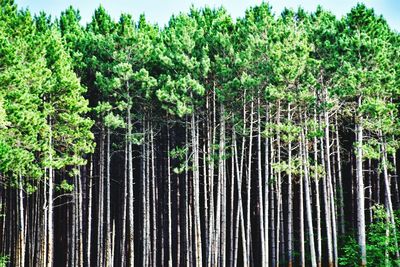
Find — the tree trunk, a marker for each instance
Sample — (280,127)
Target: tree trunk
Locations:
(80,217)
(239,214)
(290,199)
(89,214)
(196,193)
(360,189)
(222,260)
(307,193)
(210,143)
(50,228)
(169,202)
(232,206)
(388,192)
(44,232)
(301,220)
(21,225)
(260,182)
(266,190)
(108,202)
(272,204)
(278,186)
(100,219)
(331,199)
(131,239)
(248,183)
(340,183)
(317,197)
(154,198)
(326,198)
(187,243)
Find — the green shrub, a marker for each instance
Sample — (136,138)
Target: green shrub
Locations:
(3,261)
(381,243)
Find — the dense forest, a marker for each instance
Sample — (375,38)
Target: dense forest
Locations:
(268,140)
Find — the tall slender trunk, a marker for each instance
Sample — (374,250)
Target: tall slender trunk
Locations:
(178,214)
(370,195)
(388,192)
(169,201)
(301,219)
(50,228)
(186,199)
(148,241)
(248,183)
(154,198)
(307,193)
(222,260)
(37,241)
(240,167)
(339,172)
(272,204)
(21,225)
(113,243)
(80,217)
(44,232)
(210,151)
(122,245)
(317,202)
(260,183)
(73,239)
(239,214)
(108,260)
(317,198)
(326,198)
(100,219)
(232,205)
(331,199)
(266,190)
(131,239)
(196,193)
(145,185)
(89,214)
(290,198)
(205,187)
(360,188)
(217,230)
(278,187)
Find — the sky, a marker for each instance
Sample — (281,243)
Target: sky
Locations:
(159,11)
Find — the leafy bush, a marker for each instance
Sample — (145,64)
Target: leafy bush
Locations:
(3,261)
(381,243)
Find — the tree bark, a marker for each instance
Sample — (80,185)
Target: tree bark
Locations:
(290,199)
(50,228)
(360,189)
(260,183)
(131,240)
(196,193)
(108,259)
(308,195)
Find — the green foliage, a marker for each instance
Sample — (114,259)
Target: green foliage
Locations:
(65,186)
(179,169)
(114,121)
(371,149)
(3,122)
(381,242)
(41,99)
(136,138)
(134,73)
(178,152)
(350,253)
(4,260)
